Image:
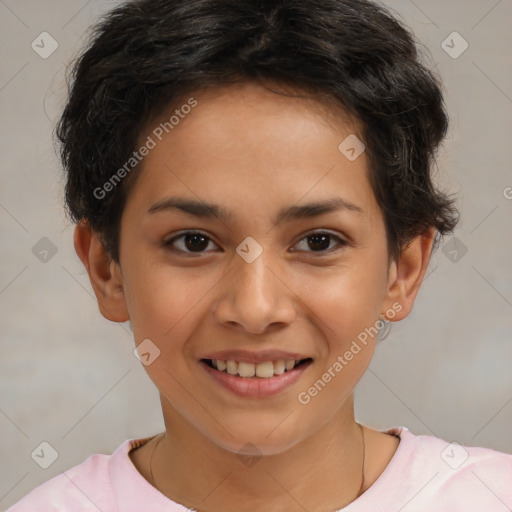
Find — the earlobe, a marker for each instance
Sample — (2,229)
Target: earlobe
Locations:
(104,273)
(406,275)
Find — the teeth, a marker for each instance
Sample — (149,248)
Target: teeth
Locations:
(279,367)
(289,364)
(246,369)
(232,367)
(263,370)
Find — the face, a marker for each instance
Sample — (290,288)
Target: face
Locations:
(252,280)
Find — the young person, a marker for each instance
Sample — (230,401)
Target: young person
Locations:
(251,185)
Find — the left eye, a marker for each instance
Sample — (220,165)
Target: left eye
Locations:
(321,240)
(196,242)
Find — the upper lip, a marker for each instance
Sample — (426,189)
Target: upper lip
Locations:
(246,356)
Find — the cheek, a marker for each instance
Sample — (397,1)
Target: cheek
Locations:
(168,305)
(348,299)
(346,302)
(346,307)
(164,304)
(159,297)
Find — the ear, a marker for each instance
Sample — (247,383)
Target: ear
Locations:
(406,275)
(104,273)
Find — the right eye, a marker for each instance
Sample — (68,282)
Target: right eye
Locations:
(189,242)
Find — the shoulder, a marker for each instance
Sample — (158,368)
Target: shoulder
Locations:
(458,458)
(84,487)
(450,474)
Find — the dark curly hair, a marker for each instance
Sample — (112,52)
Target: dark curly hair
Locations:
(146,55)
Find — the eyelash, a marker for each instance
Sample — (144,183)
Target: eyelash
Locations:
(341,242)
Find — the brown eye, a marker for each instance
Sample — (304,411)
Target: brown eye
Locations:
(320,241)
(189,242)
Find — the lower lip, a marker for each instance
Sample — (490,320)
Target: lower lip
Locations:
(256,387)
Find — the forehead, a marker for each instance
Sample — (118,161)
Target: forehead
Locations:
(245,145)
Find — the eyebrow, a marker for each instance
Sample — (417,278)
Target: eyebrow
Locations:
(287,214)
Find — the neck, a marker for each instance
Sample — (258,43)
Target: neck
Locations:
(194,471)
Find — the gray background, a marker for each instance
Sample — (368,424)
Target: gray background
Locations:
(69,377)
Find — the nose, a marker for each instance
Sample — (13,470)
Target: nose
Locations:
(255,297)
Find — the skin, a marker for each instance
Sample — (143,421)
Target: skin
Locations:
(253,152)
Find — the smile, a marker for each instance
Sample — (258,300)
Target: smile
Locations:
(263,370)
(255,380)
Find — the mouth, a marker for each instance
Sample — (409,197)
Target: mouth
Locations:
(255,380)
(264,370)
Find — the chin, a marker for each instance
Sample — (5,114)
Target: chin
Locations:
(254,442)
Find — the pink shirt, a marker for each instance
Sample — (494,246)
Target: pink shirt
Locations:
(425,474)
